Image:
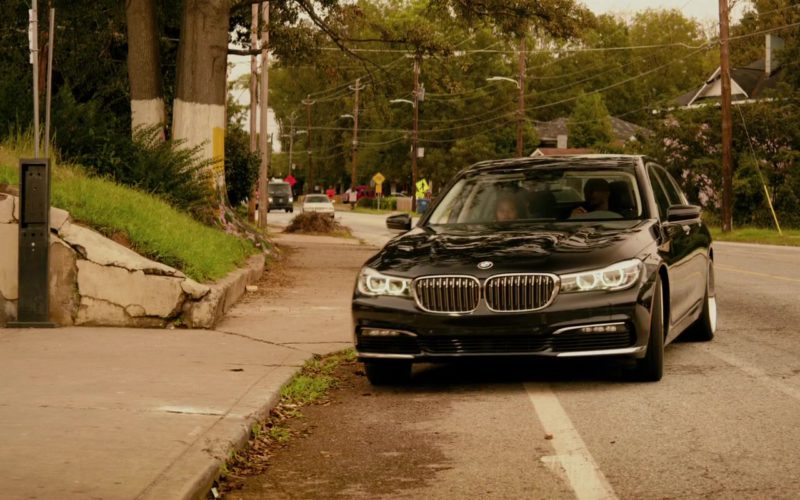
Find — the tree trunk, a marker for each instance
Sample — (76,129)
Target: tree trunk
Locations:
(144,65)
(199,108)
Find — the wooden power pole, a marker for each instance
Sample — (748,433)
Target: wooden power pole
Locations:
(251,205)
(521,99)
(415,136)
(310,175)
(727,121)
(263,133)
(357,88)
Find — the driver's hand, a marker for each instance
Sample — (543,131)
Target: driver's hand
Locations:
(578,211)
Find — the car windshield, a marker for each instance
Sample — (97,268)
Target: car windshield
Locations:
(544,193)
(279,188)
(317,198)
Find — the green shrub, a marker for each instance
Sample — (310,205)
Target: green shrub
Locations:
(241,166)
(387,203)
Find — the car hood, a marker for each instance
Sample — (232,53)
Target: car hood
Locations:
(541,247)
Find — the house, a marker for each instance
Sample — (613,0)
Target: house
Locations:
(562,151)
(554,134)
(747,83)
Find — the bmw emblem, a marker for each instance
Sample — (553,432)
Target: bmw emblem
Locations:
(486,264)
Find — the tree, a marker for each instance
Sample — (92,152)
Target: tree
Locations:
(589,124)
(199,107)
(144,65)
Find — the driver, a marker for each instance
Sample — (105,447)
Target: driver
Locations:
(596,193)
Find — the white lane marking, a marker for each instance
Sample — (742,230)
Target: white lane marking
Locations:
(572,458)
(756,373)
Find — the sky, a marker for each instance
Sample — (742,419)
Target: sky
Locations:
(702,10)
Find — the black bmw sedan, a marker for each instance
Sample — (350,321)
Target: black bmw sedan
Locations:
(570,256)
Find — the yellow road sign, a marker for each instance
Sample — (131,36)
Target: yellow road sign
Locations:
(378,178)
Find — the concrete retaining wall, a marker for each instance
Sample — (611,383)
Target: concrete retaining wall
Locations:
(96,281)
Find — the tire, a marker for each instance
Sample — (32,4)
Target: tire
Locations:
(387,372)
(704,328)
(291,210)
(651,367)
(286,210)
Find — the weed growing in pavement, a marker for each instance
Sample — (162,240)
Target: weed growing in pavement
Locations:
(310,386)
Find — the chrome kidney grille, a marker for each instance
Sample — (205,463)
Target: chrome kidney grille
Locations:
(502,293)
(447,294)
(520,292)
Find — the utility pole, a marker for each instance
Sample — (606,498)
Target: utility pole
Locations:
(357,88)
(521,99)
(310,176)
(263,135)
(251,205)
(291,142)
(414,138)
(33,39)
(727,120)
(51,41)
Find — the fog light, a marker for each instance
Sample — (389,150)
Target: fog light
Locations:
(383,332)
(617,328)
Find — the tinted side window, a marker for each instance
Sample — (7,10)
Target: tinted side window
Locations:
(662,200)
(671,187)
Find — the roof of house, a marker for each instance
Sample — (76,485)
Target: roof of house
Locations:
(621,129)
(561,151)
(748,82)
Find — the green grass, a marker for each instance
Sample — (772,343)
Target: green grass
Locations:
(315,379)
(790,237)
(375,211)
(154,228)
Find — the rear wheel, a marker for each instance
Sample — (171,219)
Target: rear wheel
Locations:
(706,325)
(387,372)
(651,367)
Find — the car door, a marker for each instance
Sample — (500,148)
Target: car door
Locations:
(675,250)
(695,243)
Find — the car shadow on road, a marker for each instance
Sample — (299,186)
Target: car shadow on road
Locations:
(468,373)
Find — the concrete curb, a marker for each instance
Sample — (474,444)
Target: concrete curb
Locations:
(224,294)
(192,475)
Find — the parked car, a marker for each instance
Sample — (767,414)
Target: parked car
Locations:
(280,196)
(318,203)
(583,256)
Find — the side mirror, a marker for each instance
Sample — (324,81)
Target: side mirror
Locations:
(399,222)
(683,213)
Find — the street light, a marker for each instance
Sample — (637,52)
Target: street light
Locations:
(521,104)
(502,79)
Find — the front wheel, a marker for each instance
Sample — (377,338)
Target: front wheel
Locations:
(651,367)
(387,372)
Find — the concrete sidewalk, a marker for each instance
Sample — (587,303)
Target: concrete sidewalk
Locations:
(120,413)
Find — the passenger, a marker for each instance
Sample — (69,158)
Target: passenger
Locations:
(507,208)
(596,193)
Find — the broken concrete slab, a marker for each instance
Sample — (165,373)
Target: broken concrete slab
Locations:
(9,261)
(194,289)
(100,250)
(64,298)
(159,296)
(7,209)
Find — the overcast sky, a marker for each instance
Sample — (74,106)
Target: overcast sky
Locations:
(702,10)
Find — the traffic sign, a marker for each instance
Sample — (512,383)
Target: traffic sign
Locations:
(378,178)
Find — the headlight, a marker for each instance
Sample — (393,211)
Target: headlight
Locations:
(270,199)
(373,283)
(618,276)
(291,199)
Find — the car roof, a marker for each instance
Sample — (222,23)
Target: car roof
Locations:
(557,161)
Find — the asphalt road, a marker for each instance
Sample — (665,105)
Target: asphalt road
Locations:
(723,423)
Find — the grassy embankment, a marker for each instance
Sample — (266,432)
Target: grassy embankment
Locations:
(791,237)
(154,228)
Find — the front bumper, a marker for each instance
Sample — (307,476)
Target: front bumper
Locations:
(574,325)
